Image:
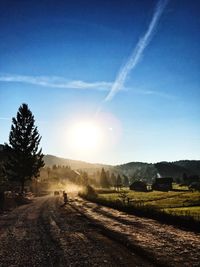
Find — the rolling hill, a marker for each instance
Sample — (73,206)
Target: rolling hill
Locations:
(135,170)
(51,160)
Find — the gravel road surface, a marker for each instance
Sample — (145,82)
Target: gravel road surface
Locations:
(85,234)
(45,234)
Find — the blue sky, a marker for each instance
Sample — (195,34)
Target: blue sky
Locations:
(64,57)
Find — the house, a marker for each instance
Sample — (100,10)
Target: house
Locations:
(138,186)
(195,186)
(163,184)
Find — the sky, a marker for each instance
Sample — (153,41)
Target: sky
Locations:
(128,69)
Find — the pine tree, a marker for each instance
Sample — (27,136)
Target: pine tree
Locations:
(108,175)
(25,160)
(119,180)
(113,179)
(85,178)
(103,179)
(126,181)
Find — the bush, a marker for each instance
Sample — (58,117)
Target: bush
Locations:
(89,192)
(105,191)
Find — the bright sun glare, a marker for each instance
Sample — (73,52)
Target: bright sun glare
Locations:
(85,136)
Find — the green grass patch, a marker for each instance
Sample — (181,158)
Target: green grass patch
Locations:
(184,204)
(176,186)
(158,199)
(185,212)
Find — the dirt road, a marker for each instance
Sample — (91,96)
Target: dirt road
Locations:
(44,234)
(84,234)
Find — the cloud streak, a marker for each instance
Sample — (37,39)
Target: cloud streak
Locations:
(56,82)
(137,52)
(155,93)
(59,82)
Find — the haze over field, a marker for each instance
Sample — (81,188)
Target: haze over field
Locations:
(108,81)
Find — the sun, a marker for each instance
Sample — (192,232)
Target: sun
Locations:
(85,136)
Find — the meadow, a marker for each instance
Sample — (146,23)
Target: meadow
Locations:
(176,203)
(176,207)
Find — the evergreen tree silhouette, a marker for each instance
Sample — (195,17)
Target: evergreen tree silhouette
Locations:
(103,179)
(113,179)
(125,181)
(25,160)
(119,180)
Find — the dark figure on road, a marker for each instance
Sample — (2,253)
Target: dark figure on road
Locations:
(65,198)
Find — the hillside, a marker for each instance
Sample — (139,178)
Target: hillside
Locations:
(51,160)
(137,170)
(147,171)
(192,165)
(134,170)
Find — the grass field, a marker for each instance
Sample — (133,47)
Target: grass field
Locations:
(185,211)
(183,203)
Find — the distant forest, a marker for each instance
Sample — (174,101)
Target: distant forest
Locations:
(180,171)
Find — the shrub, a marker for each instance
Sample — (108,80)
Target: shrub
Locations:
(89,192)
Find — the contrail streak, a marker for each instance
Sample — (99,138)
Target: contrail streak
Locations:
(137,52)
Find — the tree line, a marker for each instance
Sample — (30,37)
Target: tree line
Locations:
(101,178)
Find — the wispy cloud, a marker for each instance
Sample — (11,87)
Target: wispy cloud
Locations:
(155,93)
(138,51)
(60,82)
(56,82)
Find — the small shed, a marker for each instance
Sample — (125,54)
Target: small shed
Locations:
(163,184)
(194,186)
(138,186)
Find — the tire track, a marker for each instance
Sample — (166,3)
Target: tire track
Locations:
(84,234)
(161,244)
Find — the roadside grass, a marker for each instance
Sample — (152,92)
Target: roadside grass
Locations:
(176,186)
(157,199)
(185,212)
(140,196)
(179,208)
